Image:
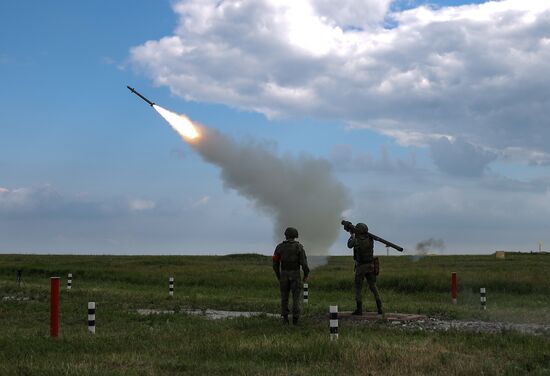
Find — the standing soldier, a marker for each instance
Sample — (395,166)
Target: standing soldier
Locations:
(19,277)
(287,259)
(363,249)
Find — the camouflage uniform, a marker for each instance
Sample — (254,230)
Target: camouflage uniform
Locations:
(363,249)
(287,259)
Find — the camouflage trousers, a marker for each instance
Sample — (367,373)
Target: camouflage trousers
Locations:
(290,281)
(365,271)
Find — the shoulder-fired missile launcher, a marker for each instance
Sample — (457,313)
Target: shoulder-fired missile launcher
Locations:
(350,227)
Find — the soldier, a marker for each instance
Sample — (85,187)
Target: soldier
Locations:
(19,277)
(287,259)
(363,249)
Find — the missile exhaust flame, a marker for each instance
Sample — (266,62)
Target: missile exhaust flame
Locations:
(180,123)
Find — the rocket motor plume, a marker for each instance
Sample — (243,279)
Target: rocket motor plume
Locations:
(301,191)
(181,124)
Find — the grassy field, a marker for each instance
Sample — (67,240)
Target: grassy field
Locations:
(518,290)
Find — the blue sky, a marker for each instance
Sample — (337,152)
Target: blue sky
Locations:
(87,167)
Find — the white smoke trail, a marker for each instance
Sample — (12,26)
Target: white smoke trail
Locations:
(301,192)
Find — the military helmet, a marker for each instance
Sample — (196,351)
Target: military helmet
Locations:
(361,228)
(291,233)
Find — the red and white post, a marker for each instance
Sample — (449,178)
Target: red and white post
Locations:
(454,289)
(54,306)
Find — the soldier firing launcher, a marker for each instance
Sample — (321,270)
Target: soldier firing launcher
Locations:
(349,227)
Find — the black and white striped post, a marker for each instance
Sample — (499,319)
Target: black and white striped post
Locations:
(306,293)
(333,322)
(69,281)
(91,317)
(483,298)
(171,286)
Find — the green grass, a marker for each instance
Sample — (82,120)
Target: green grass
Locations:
(518,290)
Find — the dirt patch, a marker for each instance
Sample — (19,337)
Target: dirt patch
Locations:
(421,322)
(475,326)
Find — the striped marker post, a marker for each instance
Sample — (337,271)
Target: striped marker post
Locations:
(69,281)
(454,290)
(91,317)
(306,293)
(171,286)
(333,322)
(54,306)
(483,298)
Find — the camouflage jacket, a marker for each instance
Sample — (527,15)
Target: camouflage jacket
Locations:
(290,255)
(363,248)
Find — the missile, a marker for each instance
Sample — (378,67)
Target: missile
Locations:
(141,96)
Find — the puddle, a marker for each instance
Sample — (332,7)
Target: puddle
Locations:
(15,298)
(147,312)
(211,314)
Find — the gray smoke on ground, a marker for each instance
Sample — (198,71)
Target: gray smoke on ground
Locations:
(425,246)
(296,191)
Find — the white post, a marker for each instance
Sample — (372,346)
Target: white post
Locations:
(171,286)
(69,281)
(483,298)
(333,322)
(306,293)
(91,317)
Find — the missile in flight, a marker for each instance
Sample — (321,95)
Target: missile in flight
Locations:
(141,96)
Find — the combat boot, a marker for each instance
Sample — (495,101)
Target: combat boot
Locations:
(379,307)
(285,320)
(359,310)
(295,320)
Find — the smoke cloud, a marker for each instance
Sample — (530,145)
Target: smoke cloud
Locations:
(299,191)
(425,246)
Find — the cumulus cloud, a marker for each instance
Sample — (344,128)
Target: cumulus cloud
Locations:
(21,200)
(460,157)
(477,71)
(343,157)
(202,201)
(138,204)
(47,202)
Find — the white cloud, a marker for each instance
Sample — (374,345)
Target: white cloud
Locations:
(459,157)
(202,201)
(47,202)
(478,72)
(344,159)
(28,198)
(138,204)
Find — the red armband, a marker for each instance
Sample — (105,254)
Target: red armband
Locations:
(276,257)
